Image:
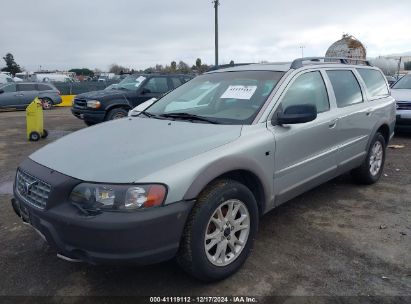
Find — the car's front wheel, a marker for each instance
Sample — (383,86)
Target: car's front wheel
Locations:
(220,231)
(116,113)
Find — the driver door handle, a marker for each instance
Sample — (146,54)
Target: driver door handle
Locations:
(332,123)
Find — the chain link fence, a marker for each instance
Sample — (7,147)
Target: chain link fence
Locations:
(76,88)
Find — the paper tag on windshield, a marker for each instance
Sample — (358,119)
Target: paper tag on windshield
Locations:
(139,80)
(239,92)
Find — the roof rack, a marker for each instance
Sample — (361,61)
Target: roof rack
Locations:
(298,63)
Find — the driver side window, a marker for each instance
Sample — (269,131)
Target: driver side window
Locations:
(308,88)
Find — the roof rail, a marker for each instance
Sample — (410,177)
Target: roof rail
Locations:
(299,62)
(224,66)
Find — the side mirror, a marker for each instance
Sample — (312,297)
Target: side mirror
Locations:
(297,114)
(145,91)
(1,91)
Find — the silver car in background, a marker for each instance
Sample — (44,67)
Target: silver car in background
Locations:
(401,91)
(190,175)
(19,95)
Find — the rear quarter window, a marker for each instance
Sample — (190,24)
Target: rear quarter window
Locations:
(375,82)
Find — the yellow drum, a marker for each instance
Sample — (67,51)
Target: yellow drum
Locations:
(34,118)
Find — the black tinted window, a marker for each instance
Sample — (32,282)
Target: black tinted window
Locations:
(374,82)
(9,88)
(44,87)
(176,82)
(157,85)
(346,88)
(308,88)
(26,87)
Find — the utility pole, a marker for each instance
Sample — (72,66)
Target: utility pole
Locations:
(216,4)
(302,51)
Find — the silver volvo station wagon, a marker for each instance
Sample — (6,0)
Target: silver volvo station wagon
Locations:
(190,175)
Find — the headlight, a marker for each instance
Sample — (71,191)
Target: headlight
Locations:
(94,104)
(117,197)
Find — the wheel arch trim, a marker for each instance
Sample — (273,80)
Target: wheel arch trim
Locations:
(227,167)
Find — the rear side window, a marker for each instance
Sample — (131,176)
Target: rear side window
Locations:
(374,81)
(308,88)
(346,88)
(26,87)
(44,87)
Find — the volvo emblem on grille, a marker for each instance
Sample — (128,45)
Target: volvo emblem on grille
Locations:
(27,187)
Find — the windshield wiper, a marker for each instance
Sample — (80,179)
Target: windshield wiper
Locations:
(150,115)
(188,116)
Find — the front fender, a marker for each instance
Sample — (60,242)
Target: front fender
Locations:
(225,165)
(122,102)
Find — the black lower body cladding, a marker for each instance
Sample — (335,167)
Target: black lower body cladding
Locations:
(92,116)
(141,237)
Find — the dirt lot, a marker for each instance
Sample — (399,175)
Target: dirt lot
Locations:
(328,241)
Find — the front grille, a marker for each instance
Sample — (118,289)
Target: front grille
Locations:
(403,105)
(80,103)
(32,190)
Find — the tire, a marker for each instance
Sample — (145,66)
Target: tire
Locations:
(193,255)
(34,136)
(116,114)
(46,103)
(89,123)
(45,133)
(371,169)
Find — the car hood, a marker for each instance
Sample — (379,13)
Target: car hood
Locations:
(126,150)
(401,94)
(102,95)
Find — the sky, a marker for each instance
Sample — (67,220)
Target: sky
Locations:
(65,34)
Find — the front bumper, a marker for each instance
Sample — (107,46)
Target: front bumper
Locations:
(89,115)
(403,119)
(143,237)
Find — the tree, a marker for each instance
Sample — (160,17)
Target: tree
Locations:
(232,63)
(83,72)
(11,66)
(117,69)
(183,67)
(198,63)
(173,66)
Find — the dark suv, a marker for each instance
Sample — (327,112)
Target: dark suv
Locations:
(115,102)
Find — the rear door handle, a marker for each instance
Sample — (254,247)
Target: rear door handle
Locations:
(332,123)
(368,112)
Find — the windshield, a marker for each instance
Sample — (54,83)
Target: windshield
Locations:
(131,83)
(223,97)
(403,83)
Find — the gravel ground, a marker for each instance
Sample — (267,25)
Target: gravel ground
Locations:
(339,239)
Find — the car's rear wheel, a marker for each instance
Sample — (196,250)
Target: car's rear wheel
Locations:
(371,169)
(220,231)
(116,114)
(46,103)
